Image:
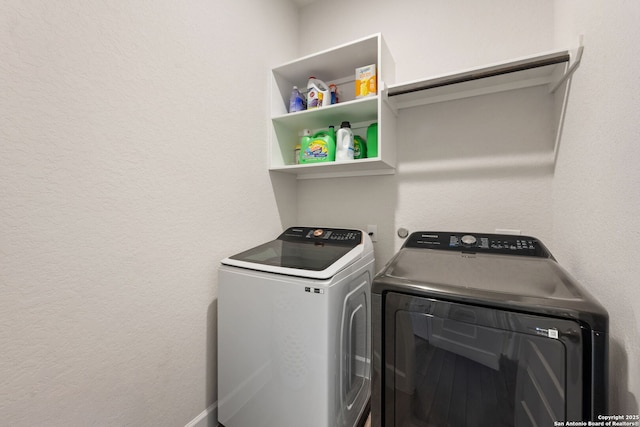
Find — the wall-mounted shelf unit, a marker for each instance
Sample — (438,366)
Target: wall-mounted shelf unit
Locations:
(544,69)
(550,69)
(336,65)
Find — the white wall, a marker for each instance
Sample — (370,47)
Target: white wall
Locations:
(428,38)
(133,158)
(585,209)
(596,188)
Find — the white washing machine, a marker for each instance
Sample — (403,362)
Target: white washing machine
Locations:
(294,331)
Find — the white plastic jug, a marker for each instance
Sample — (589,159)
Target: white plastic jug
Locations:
(318,94)
(344,143)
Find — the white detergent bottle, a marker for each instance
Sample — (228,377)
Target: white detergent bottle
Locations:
(344,143)
(318,94)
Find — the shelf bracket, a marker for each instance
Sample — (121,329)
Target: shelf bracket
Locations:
(572,68)
(384,95)
(565,97)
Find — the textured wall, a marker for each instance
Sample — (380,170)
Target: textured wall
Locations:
(133,148)
(432,37)
(596,188)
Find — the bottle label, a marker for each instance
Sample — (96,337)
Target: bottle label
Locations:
(313,99)
(316,150)
(296,104)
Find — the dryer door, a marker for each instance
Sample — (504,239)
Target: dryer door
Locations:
(355,363)
(460,365)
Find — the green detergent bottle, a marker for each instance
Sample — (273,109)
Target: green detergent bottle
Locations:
(372,140)
(359,147)
(321,147)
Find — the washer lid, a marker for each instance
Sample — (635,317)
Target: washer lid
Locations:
(317,253)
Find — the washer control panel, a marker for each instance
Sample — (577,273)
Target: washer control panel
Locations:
(327,235)
(478,243)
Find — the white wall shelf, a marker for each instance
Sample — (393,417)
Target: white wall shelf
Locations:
(543,69)
(357,110)
(338,66)
(361,167)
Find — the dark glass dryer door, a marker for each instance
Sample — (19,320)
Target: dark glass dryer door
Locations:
(458,365)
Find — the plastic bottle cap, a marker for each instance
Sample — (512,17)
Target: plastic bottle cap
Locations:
(345,125)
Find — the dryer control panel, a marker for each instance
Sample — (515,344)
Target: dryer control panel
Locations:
(478,243)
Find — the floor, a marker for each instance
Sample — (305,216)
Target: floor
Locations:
(366,424)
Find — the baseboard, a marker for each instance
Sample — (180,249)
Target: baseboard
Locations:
(206,418)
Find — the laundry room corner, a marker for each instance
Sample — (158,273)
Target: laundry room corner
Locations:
(285,189)
(353,203)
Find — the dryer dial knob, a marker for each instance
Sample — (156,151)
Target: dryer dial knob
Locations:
(468,239)
(318,232)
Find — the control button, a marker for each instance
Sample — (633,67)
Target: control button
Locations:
(468,239)
(318,232)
